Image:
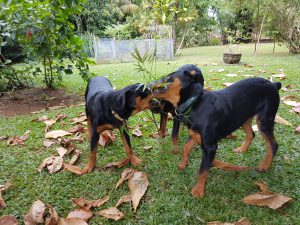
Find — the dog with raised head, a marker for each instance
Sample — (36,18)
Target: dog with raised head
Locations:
(216,114)
(107,109)
(166,107)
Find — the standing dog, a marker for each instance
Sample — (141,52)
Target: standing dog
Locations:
(218,113)
(166,107)
(107,109)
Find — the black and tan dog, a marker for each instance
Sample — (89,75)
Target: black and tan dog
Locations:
(218,113)
(166,107)
(107,109)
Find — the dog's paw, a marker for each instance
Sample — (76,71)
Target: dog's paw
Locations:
(240,150)
(135,161)
(182,165)
(197,193)
(87,170)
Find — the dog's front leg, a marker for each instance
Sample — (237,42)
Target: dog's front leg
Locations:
(93,151)
(209,152)
(175,132)
(134,160)
(188,147)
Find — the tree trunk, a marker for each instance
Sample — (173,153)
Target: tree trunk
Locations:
(259,35)
(175,24)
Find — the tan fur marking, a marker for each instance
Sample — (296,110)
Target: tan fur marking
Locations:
(88,134)
(134,160)
(188,147)
(91,163)
(142,104)
(193,72)
(163,125)
(267,162)
(196,136)
(173,93)
(199,189)
(104,127)
(247,127)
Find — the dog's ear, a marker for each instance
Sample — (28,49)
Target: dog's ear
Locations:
(195,75)
(123,98)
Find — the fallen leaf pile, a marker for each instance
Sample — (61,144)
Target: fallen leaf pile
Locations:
(8,220)
(137,183)
(266,198)
(18,140)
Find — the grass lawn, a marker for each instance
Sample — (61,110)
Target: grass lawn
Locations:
(168,199)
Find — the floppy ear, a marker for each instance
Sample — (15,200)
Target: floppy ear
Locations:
(123,97)
(195,75)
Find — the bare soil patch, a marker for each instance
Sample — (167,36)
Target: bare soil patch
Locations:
(29,100)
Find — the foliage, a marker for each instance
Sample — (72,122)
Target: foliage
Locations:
(47,36)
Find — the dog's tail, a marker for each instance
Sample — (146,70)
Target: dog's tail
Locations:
(277,84)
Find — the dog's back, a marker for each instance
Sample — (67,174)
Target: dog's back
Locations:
(97,84)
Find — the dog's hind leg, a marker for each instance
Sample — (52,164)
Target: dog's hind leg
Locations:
(247,127)
(134,160)
(93,151)
(188,147)
(175,132)
(265,127)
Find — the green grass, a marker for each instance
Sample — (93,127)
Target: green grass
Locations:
(168,199)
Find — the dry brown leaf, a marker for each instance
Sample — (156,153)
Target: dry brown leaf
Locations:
(75,156)
(76,129)
(81,214)
(62,151)
(74,169)
(227,84)
(8,220)
(80,119)
(35,214)
(118,164)
(123,199)
(53,164)
(247,65)
(148,148)
(291,103)
(18,140)
(88,204)
(48,143)
(71,221)
(106,138)
(56,134)
(215,78)
(280,120)
(231,75)
(111,213)
(155,135)
(214,64)
(248,75)
(3,138)
(3,188)
(286,87)
(296,109)
(280,76)
(52,218)
(138,185)
(137,132)
(49,124)
(126,174)
(221,70)
(297,130)
(243,221)
(266,198)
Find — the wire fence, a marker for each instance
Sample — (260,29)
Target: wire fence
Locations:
(110,50)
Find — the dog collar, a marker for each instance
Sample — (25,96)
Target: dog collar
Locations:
(186,105)
(116,115)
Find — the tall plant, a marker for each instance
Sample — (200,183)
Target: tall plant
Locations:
(44,30)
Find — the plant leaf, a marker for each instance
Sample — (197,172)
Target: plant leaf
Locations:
(126,174)
(35,214)
(111,213)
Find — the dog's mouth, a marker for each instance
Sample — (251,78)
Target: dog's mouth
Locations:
(154,103)
(159,88)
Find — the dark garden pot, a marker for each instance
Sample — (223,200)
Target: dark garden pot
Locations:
(232,58)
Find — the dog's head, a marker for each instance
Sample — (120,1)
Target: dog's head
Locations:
(180,85)
(135,98)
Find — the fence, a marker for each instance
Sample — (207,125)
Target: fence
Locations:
(110,50)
